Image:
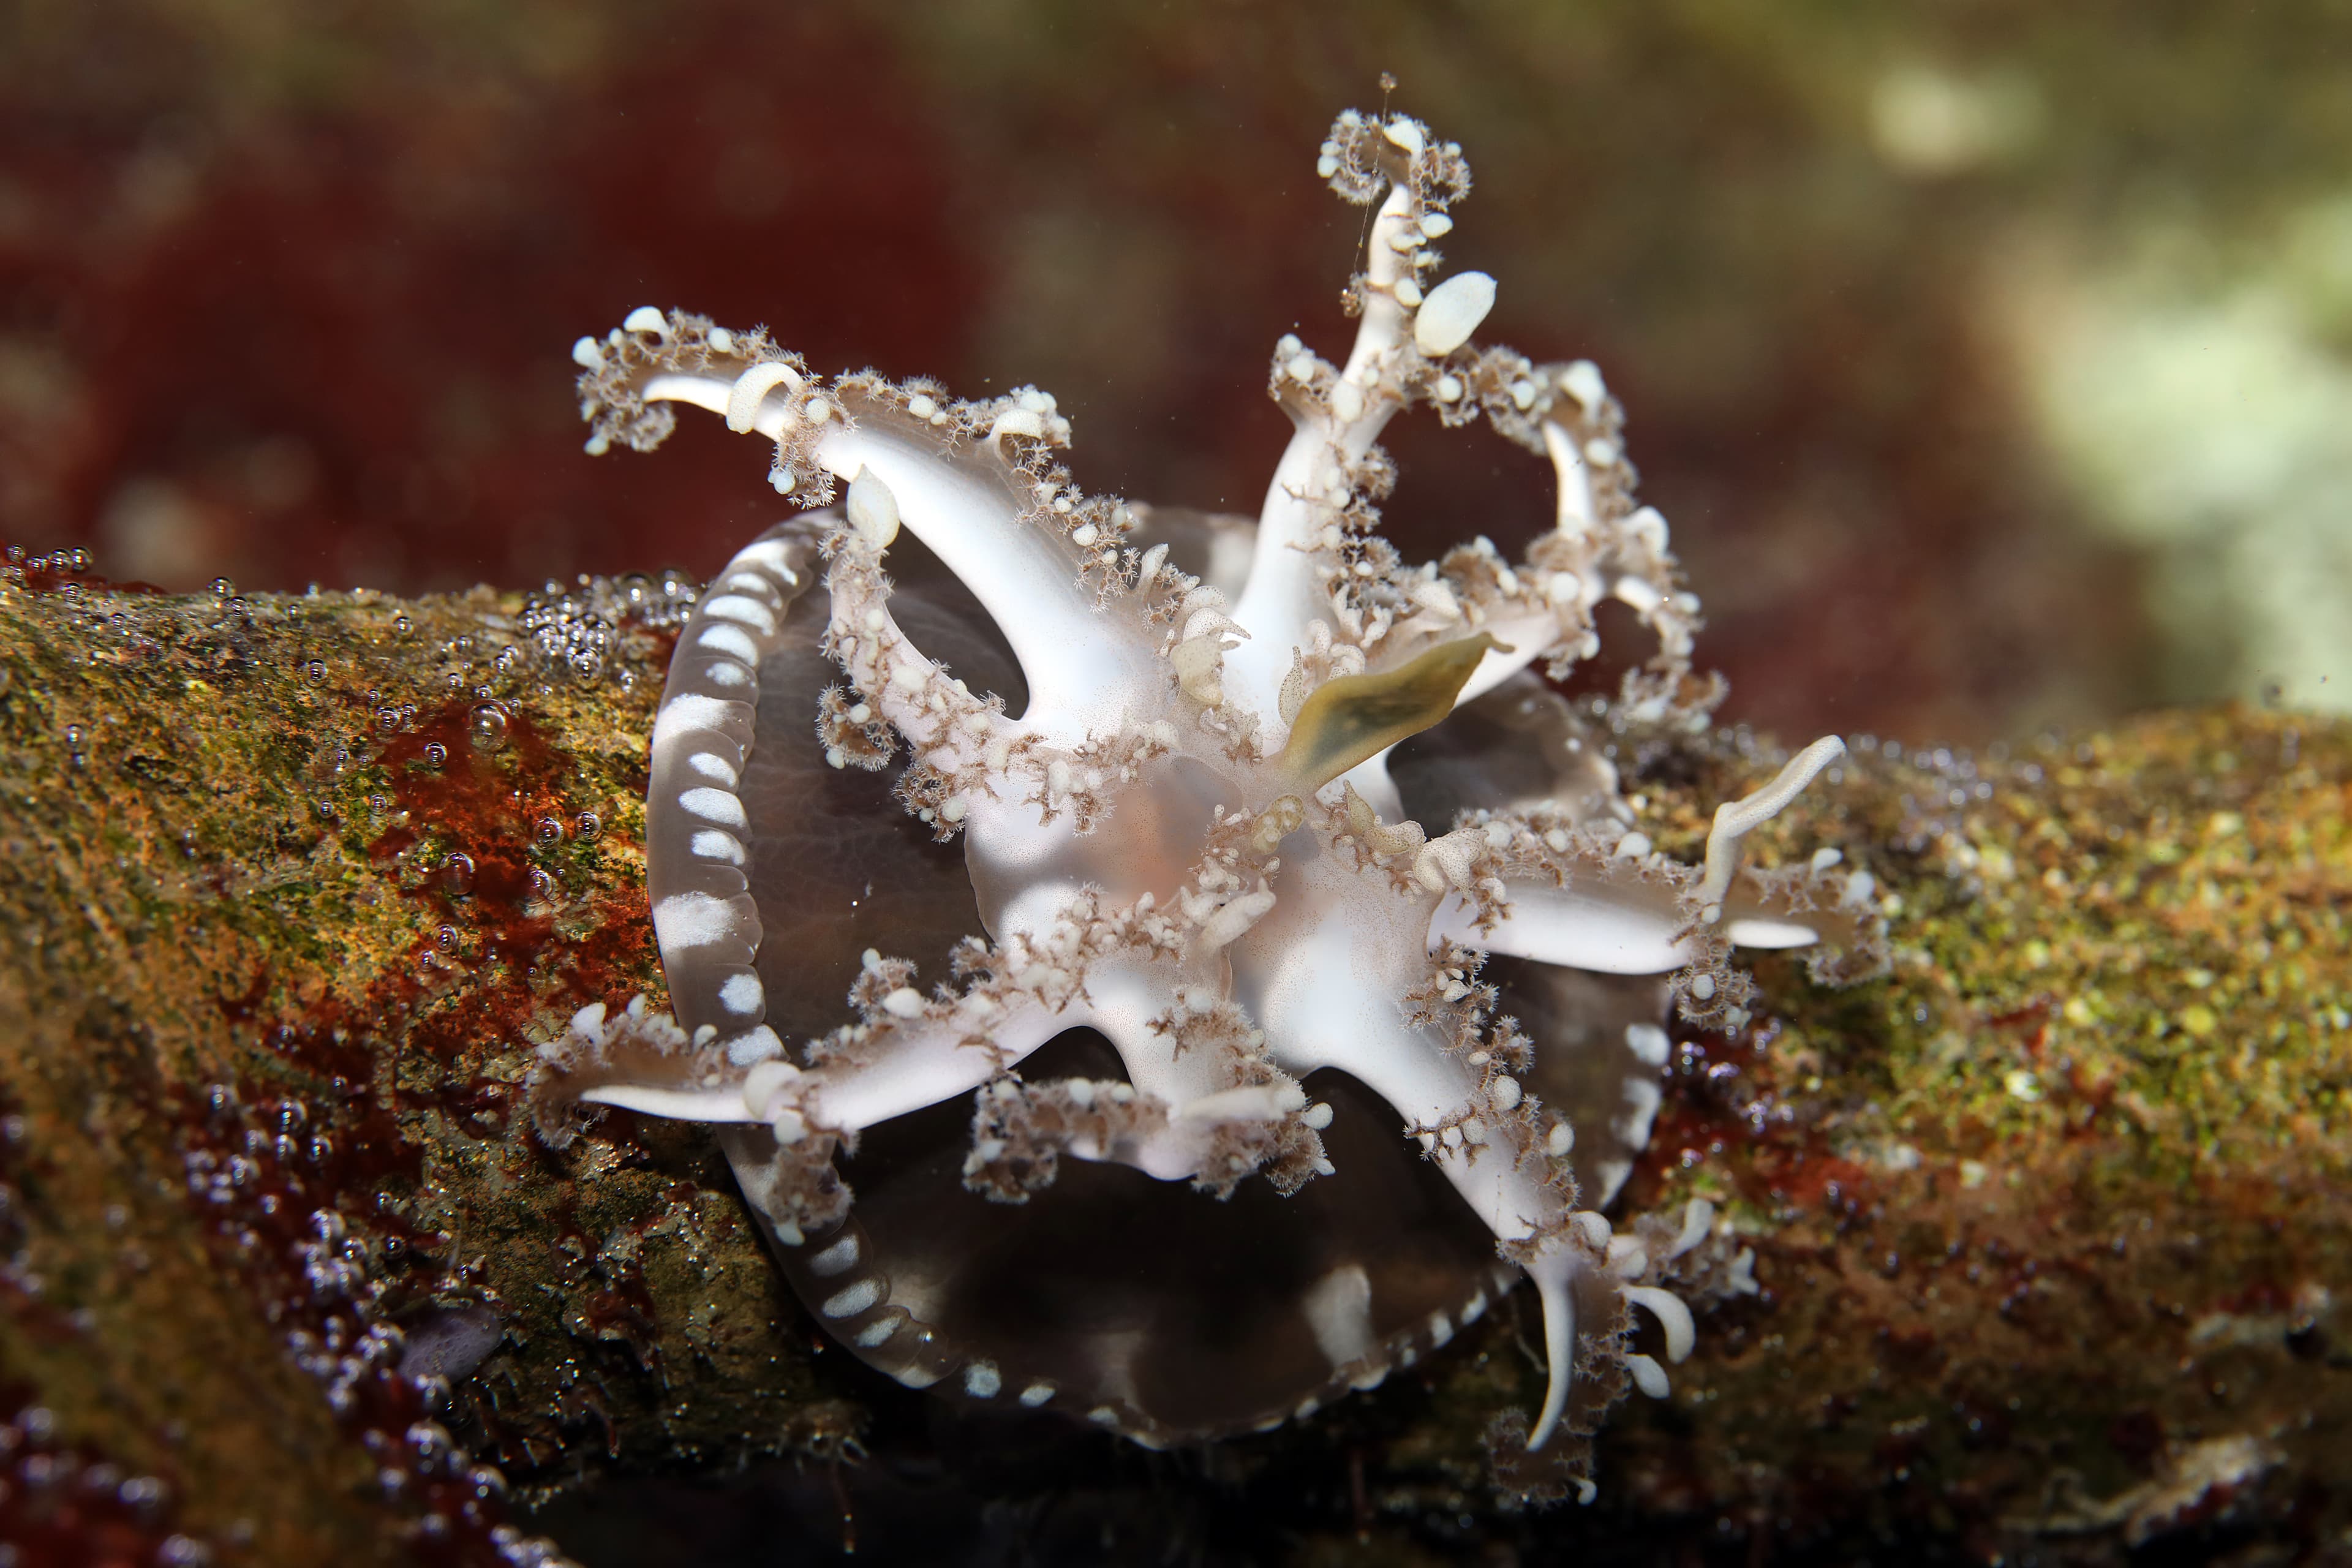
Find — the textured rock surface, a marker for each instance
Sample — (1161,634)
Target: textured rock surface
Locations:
(2049,1223)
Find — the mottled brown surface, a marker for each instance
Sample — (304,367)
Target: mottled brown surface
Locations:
(2049,1222)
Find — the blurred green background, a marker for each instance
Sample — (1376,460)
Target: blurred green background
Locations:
(1992,361)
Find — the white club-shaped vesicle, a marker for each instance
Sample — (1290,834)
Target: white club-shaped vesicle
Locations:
(1186,823)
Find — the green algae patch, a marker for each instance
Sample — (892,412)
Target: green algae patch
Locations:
(2048,1223)
(2035,1241)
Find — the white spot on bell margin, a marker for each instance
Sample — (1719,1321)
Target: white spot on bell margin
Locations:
(693,919)
(741,609)
(1340,1309)
(709,844)
(714,805)
(732,640)
(853,1300)
(742,994)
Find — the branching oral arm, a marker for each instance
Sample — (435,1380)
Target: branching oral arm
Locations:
(968,508)
(1475,1131)
(1281,596)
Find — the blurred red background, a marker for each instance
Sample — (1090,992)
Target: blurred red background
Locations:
(287,290)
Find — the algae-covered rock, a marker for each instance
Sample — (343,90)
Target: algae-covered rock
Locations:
(2045,1230)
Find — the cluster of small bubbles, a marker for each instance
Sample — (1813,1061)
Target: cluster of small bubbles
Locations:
(55,571)
(571,630)
(317,1277)
(658,603)
(60,1504)
(488,724)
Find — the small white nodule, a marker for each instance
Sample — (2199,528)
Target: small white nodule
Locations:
(873,510)
(1451,312)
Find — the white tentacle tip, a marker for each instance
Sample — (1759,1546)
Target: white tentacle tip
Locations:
(644,319)
(1649,1377)
(1672,1315)
(752,388)
(1735,819)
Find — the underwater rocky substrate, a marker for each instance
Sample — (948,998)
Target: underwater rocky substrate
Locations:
(2048,1224)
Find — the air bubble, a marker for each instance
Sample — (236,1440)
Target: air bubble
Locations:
(445,938)
(182,1551)
(315,672)
(436,755)
(550,831)
(588,826)
(223,587)
(458,874)
(489,724)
